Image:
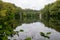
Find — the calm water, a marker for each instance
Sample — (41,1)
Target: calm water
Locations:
(33,30)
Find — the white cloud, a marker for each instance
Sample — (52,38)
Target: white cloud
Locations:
(32,4)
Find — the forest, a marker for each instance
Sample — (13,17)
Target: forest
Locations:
(12,16)
(51,15)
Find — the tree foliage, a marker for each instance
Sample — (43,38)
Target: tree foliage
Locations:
(12,16)
(8,22)
(51,15)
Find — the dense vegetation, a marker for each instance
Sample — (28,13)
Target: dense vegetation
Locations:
(8,19)
(12,16)
(51,15)
(28,16)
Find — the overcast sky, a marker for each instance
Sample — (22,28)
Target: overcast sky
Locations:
(31,4)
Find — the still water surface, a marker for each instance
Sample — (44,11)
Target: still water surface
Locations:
(33,30)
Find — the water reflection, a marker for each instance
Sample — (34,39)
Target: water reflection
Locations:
(33,29)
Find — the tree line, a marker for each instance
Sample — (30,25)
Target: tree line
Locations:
(51,15)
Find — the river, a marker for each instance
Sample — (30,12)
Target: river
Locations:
(33,30)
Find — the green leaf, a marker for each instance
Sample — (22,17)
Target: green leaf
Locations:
(48,33)
(4,38)
(7,32)
(47,37)
(5,23)
(21,30)
(42,34)
(0,26)
(29,38)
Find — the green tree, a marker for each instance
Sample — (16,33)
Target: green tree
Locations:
(51,15)
(8,19)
